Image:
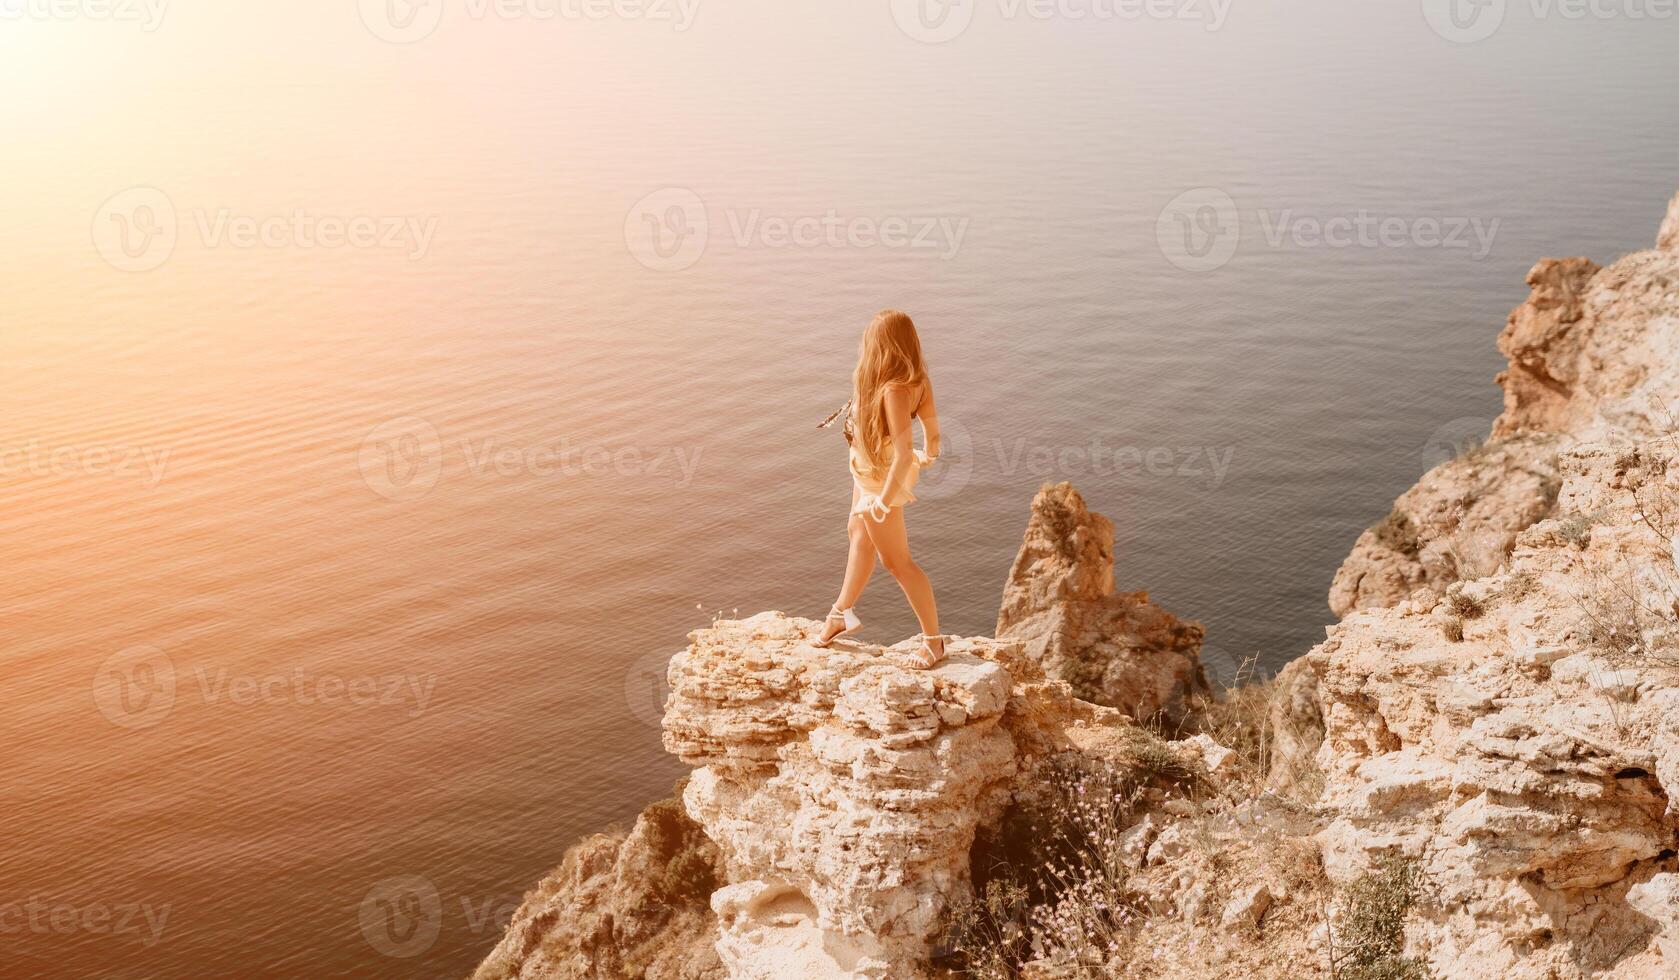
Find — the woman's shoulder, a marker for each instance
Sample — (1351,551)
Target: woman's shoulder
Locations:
(913,393)
(922,393)
(914,386)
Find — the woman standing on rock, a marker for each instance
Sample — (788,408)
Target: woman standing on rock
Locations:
(889,389)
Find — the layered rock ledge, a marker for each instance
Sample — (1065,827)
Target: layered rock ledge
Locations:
(843,789)
(1501,697)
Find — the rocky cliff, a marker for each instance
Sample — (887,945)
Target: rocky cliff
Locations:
(1498,707)
(1591,359)
(830,826)
(1469,778)
(635,904)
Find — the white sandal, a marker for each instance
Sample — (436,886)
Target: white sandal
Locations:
(847,618)
(926,658)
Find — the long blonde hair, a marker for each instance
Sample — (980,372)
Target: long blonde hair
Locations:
(889,355)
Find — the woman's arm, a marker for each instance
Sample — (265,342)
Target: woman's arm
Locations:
(899,403)
(930,422)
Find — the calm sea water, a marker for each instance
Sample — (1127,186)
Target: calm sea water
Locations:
(337,579)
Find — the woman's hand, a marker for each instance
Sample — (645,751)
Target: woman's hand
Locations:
(923,460)
(871,506)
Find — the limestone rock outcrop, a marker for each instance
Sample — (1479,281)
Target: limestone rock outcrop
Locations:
(1115,648)
(843,788)
(1459,521)
(1591,358)
(1544,339)
(1511,728)
(837,792)
(1510,735)
(1295,723)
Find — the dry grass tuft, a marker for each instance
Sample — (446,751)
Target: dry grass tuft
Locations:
(1396,532)
(1463,605)
(1520,584)
(1070,900)
(1242,717)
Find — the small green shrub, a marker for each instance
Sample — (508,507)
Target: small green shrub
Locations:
(1084,675)
(1576,529)
(1153,759)
(1370,943)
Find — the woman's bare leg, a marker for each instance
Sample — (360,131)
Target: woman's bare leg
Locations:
(859,565)
(891,541)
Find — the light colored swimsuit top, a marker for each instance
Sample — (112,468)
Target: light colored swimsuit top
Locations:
(875,483)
